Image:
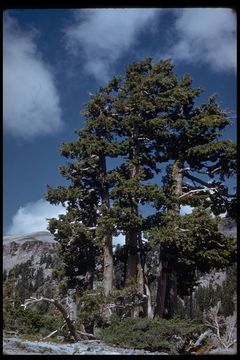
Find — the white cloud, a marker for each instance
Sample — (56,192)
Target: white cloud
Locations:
(103,35)
(32,217)
(30,98)
(206,35)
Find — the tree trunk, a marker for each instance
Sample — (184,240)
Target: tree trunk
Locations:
(132,260)
(191,315)
(108,265)
(71,303)
(162,285)
(107,240)
(135,266)
(171,298)
(149,311)
(171,295)
(177,175)
(132,236)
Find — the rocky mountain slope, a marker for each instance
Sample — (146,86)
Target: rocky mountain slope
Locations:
(37,247)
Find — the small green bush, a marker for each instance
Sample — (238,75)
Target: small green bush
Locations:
(153,335)
(30,321)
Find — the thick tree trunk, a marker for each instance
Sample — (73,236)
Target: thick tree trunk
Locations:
(108,265)
(71,303)
(135,266)
(161,290)
(133,235)
(171,298)
(171,295)
(107,252)
(149,310)
(132,260)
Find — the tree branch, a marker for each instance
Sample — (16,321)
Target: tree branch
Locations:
(60,307)
(51,334)
(194,178)
(196,191)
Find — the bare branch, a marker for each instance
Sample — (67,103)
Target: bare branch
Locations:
(217,322)
(183,230)
(86,169)
(60,307)
(51,334)
(92,228)
(216,169)
(194,178)
(197,191)
(86,334)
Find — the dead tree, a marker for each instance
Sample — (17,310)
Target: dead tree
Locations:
(65,313)
(224,328)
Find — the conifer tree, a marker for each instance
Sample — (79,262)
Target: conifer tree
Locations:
(194,147)
(86,227)
(136,108)
(146,119)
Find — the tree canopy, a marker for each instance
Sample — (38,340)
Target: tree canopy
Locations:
(167,153)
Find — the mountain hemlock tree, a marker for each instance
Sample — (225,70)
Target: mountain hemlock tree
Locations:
(193,145)
(146,120)
(136,108)
(88,197)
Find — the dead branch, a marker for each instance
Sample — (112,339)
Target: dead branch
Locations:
(11,333)
(60,307)
(202,337)
(86,334)
(180,229)
(219,324)
(51,334)
(196,191)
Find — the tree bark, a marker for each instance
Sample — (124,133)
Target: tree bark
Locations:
(133,234)
(131,242)
(171,293)
(162,285)
(107,240)
(108,265)
(149,310)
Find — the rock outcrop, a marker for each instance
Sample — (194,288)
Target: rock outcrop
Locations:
(38,247)
(28,262)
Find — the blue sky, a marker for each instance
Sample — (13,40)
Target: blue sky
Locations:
(53,58)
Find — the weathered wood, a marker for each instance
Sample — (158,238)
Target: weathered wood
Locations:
(51,334)
(62,310)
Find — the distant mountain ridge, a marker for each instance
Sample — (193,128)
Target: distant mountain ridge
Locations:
(32,247)
(45,236)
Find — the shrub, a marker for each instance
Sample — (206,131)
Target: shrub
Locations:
(153,335)
(30,321)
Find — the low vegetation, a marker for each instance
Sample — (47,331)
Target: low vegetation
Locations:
(171,336)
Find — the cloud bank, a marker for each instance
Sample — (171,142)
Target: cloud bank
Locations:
(206,35)
(104,35)
(32,217)
(30,98)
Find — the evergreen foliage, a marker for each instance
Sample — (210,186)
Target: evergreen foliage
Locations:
(153,335)
(148,122)
(207,297)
